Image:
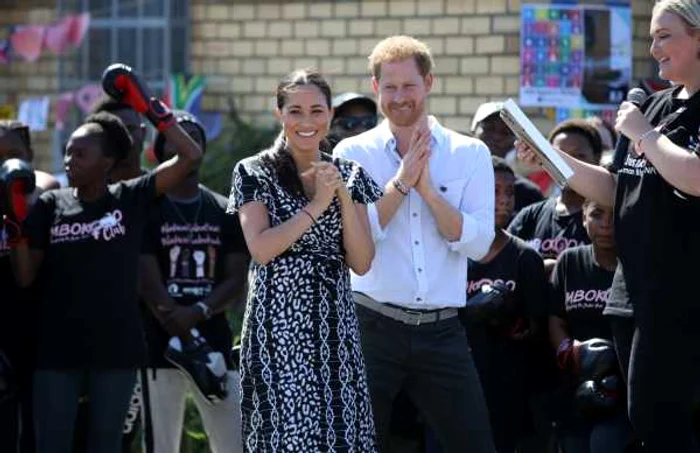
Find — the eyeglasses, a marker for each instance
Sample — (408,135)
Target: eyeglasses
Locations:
(353,122)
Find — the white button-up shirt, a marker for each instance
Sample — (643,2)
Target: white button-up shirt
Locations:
(414,265)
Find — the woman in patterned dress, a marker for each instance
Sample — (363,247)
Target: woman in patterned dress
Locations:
(304,217)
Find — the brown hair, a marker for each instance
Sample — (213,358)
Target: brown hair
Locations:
(278,156)
(397,48)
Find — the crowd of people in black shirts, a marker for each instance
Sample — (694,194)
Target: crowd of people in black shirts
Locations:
(409,288)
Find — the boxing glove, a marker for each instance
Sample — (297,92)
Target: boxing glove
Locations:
(17,182)
(598,399)
(489,303)
(123,84)
(590,359)
(596,359)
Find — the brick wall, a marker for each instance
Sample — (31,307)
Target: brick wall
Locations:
(20,80)
(244,48)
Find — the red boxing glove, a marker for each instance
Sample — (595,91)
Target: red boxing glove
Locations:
(123,84)
(567,355)
(17,213)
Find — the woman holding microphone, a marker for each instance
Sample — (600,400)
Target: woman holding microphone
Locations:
(656,196)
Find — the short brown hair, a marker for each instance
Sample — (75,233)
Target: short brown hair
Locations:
(397,48)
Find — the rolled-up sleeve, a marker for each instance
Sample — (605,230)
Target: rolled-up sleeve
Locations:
(378,233)
(477,206)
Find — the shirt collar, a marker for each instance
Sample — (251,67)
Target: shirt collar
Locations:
(388,141)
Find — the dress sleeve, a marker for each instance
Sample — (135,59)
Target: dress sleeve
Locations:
(362,187)
(247,185)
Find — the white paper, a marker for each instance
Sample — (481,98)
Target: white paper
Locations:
(34,113)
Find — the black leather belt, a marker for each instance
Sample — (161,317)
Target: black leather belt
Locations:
(405,315)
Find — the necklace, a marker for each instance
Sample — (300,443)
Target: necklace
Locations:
(182,217)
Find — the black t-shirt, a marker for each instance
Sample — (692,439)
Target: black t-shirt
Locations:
(548,232)
(501,361)
(580,290)
(656,226)
(191,241)
(17,324)
(90,316)
(526,193)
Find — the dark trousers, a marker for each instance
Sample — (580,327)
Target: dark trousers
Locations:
(611,435)
(56,395)
(623,333)
(663,375)
(432,363)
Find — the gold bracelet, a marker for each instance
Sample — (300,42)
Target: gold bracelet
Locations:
(308,214)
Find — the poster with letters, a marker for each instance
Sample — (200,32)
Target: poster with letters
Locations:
(575,56)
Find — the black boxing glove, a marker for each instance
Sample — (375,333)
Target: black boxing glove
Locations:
(598,399)
(597,359)
(17,182)
(488,303)
(123,84)
(590,359)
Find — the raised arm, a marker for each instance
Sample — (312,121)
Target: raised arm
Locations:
(357,237)
(122,83)
(469,227)
(383,210)
(590,181)
(265,242)
(678,166)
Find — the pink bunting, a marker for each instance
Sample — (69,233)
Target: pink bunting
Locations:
(4,51)
(27,41)
(79,27)
(63,105)
(86,97)
(58,36)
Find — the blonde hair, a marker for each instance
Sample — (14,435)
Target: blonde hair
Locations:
(397,48)
(687,10)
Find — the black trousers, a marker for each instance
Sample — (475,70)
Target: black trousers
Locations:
(432,363)
(663,374)
(623,333)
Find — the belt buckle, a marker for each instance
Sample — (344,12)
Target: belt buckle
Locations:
(414,313)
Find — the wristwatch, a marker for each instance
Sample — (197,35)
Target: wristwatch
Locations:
(206,310)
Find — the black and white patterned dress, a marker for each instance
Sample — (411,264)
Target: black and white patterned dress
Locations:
(303,379)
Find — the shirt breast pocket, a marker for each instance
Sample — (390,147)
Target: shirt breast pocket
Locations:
(452,191)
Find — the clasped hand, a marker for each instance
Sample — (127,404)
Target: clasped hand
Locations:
(414,170)
(328,182)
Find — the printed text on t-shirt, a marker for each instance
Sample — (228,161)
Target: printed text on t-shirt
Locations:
(592,299)
(553,246)
(105,229)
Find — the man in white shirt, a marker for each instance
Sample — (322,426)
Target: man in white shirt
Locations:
(437,211)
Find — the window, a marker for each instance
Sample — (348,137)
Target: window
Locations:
(150,35)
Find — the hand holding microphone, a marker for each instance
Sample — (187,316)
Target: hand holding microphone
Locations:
(631,124)
(123,84)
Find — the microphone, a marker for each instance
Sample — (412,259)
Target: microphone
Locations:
(636,96)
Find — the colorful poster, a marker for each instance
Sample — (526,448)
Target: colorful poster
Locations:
(576,57)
